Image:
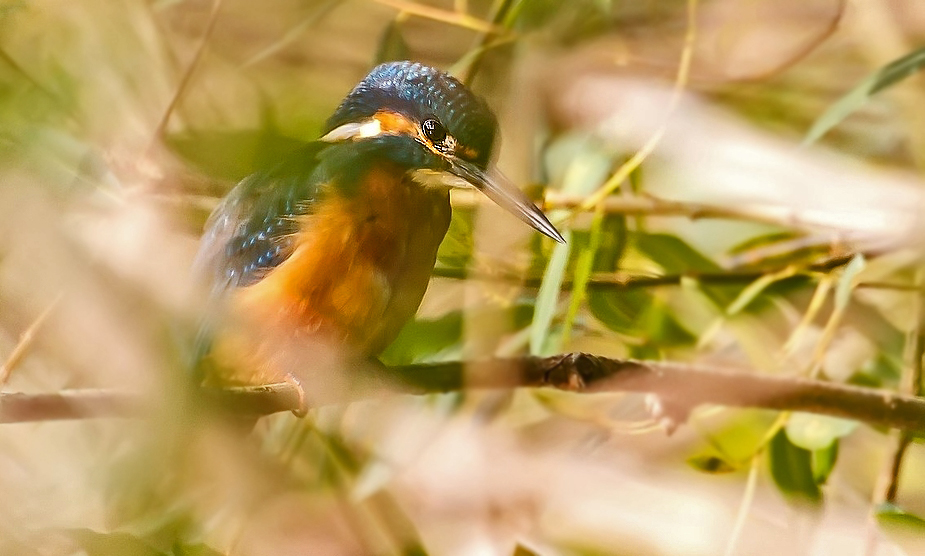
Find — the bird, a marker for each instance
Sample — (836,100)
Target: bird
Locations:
(335,245)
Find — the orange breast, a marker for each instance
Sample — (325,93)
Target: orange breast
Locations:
(359,269)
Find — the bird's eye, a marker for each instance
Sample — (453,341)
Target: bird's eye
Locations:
(434,131)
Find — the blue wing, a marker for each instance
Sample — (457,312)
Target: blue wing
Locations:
(252,230)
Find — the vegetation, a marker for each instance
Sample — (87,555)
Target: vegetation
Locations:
(740,186)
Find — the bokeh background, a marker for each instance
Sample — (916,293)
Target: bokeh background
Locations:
(122,124)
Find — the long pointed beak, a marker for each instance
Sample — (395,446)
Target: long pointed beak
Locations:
(507,195)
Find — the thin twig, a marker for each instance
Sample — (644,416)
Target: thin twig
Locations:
(451,17)
(748,497)
(10,61)
(293,33)
(680,85)
(654,206)
(802,53)
(887,485)
(624,281)
(482,45)
(188,74)
(25,342)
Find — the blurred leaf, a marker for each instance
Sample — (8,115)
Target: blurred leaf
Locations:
(392,45)
(619,311)
(317,13)
(232,155)
(823,462)
(456,249)
(886,76)
(430,340)
(194,550)
(521,550)
(660,327)
(584,264)
(893,516)
(424,340)
(817,432)
(613,243)
(847,280)
(673,254)
(710,463)
(739,438)
(756,288)
(568,21)
(905,529)
(762,240)
(791,468)
(774,250)
(112,544)
(639,314)
(547,299)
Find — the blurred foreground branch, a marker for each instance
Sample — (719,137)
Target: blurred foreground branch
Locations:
(680,387)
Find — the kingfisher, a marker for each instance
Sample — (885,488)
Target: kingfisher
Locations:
(336,244)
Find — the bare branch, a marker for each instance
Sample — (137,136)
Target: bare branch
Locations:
(650,205)
(681,385)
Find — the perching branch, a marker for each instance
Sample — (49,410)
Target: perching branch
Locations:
(677,385)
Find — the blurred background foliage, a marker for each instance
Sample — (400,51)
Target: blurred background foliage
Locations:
(122,123)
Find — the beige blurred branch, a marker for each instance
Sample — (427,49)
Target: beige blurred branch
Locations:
(680,387)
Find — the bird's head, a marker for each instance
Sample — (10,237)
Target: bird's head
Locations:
(431,124)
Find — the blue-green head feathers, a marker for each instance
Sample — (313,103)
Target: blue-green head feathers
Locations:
(421,92)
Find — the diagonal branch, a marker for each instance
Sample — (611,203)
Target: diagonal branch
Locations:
(677,384)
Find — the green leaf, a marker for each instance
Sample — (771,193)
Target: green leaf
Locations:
(425,340)
(619,311)
(823,462)
(905,529)
(232,155)
(547,299)
(95,543)
(753,290)
(791,469)
(583,267)
(817,432)
(521,550)
(740,438)
(673,254)
(456,249)
(893,516)
(883,78)
(710,463)
(392,45)
(194,550)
